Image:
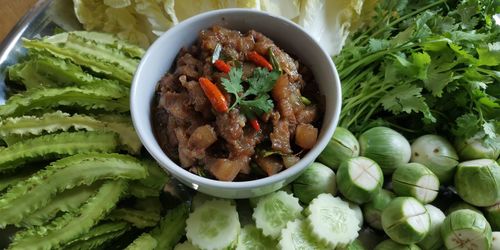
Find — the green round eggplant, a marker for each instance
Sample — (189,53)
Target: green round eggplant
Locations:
(437,154)
(315,180)
(372,210)
(433,240)
(466,229)
(476,147)
(461,205)
(495,240)
(405,220)
(492,214)
(478,182)
(359,179)
(342,146)
(415,180)
(385,146)
(392,245)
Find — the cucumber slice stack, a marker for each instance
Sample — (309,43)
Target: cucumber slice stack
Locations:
(274,211)
(331,221)
(252,238)
(213,225)
(295,236)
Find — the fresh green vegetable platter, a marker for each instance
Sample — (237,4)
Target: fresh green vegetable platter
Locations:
(413,165)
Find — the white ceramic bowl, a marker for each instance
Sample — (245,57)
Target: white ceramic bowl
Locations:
(288,36)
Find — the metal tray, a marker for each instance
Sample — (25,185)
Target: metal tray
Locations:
(41,20)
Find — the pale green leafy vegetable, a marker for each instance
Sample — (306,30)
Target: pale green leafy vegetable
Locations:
(140,21)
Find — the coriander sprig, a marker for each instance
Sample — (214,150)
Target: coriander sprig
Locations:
(255,99)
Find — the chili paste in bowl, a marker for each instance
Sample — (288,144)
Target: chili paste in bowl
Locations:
(236,107)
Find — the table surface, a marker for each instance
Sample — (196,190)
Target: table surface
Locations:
(10,12)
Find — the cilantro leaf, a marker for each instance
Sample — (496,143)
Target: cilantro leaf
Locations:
(406,98)
(261,104)
(262,81)
(233,84)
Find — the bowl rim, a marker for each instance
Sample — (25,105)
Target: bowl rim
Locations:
(179,172)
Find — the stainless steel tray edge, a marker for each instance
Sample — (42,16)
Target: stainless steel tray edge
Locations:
(40,20)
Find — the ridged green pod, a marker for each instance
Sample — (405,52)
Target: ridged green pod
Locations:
(405,220)
(60,121)
(466,229)
(385,146)
(433,239)
(342,146)
(139,190)
(106,97)
(43,71)
(478,182)
(71,225)
(372,210)
(143,242)
(36,192)
(8,180)
(67,201)
(138,218)
(98,236)
(415,180)
(157,177)
(171,227)
(83,51)
(53,146)
(437,154)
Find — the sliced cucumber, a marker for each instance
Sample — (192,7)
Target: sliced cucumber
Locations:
(416,180)
(372,211)
(358,212)
(359,179)
(466,229)
(213,225)
(405,220)
(274,211)
(295,237)
(332,221)
(252,238)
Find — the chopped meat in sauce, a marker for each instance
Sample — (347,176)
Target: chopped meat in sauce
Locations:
(241,141)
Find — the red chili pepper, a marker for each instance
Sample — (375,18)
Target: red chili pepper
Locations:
(255,124)
(259,60)
(214,95)
(222,66)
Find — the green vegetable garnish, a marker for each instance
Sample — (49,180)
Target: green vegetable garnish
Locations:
(254,100)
